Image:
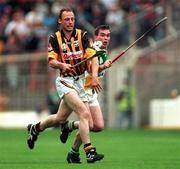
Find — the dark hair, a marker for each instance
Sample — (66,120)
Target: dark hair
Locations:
(101,27)
(63,10)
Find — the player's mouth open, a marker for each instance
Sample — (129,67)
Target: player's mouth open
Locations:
(104,43)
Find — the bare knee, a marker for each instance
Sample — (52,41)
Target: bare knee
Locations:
(91,126)
(84,116)
(97,127)
(83,113)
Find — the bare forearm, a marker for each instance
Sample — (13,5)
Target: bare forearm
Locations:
(56,64)
(63,67)
(95,81)
(106,65)
(101,68)
(95,67)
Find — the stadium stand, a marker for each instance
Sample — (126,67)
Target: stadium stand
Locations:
(26,24)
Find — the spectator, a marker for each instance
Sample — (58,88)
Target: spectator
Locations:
(50,21)
(98,13)
(4,19)
(126,102)
(109,3)
(148,18)
(13,46)
(174,93)
(18,24)
(13,43)
(34,20)
(115,18)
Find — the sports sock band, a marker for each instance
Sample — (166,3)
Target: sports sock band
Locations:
(70,125)
(73,151)
(87,147)
(36,128)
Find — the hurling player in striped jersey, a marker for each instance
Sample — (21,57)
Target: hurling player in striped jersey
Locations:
(66,48)
(101,41)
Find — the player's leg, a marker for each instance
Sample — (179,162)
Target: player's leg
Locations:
(74,102)
(96,113)
(66,126)
(70,125)
(50,121)
(98,125)
(97,116)
(34,130)
(73,155)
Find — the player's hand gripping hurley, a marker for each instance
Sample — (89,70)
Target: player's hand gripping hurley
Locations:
(96,54)
(92,52)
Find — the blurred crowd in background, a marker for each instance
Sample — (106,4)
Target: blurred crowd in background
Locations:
(25,24)
(27,83)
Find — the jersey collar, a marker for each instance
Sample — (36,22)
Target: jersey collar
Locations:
(74,33)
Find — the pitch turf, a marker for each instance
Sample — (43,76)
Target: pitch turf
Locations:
(123,149)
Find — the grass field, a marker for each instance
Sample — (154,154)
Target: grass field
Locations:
(123,149)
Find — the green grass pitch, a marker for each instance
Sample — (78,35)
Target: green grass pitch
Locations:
(123,149)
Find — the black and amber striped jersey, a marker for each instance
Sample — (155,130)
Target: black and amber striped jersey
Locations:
(70,51)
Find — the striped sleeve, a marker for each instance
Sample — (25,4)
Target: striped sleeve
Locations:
(53,47)
(85,40)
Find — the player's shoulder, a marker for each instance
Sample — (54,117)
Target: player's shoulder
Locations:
(53,35)
(83,32)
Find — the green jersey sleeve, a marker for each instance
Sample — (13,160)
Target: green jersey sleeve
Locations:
(102,58)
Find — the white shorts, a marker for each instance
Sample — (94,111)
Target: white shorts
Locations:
(92,97)
(65,85)
(91,94)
